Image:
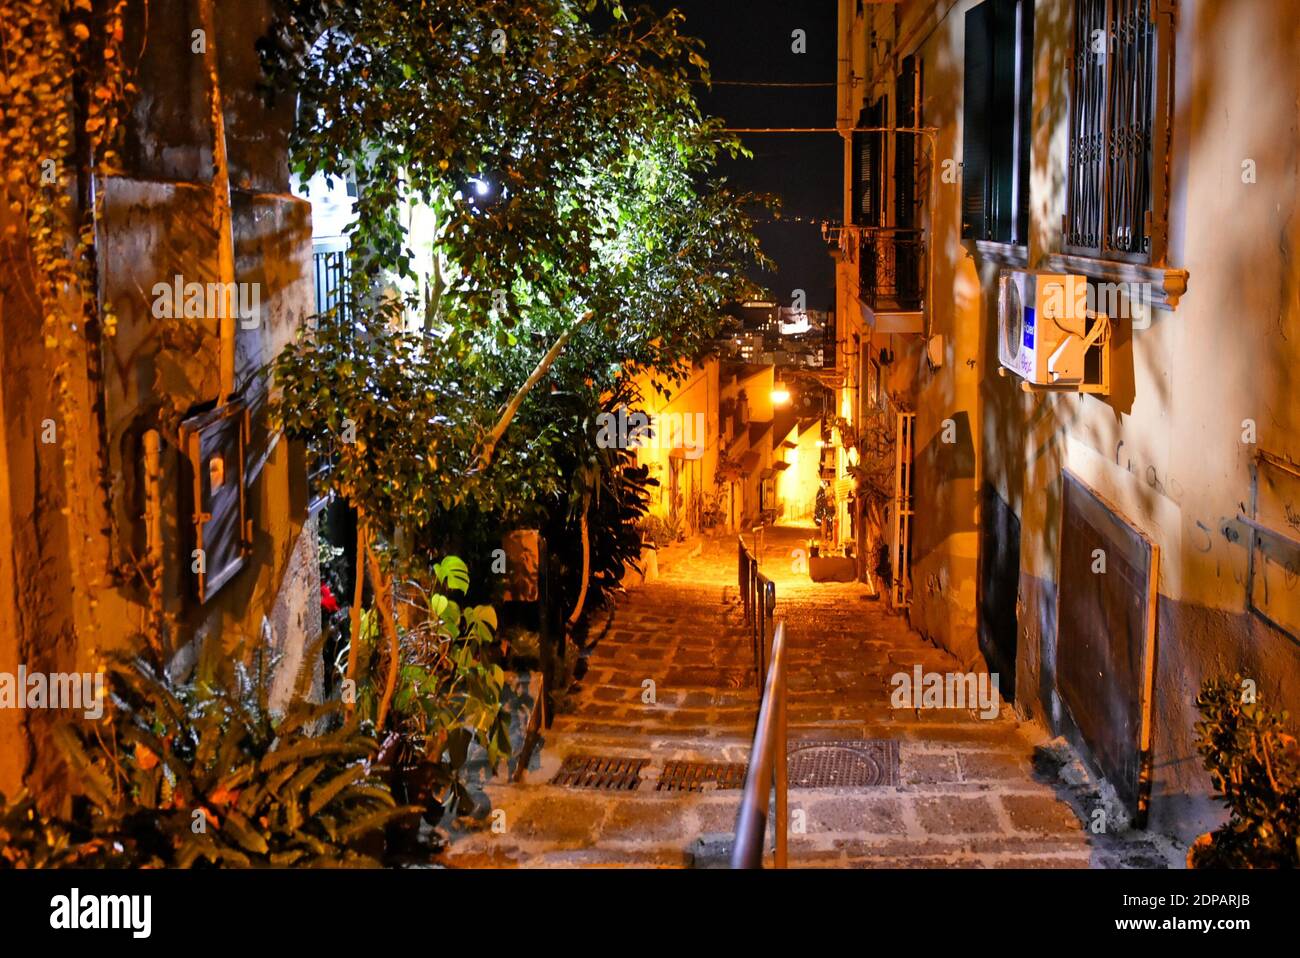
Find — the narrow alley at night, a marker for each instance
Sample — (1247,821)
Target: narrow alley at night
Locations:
(857,440)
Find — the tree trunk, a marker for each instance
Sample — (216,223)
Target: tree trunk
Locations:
(359,579)
(384,609)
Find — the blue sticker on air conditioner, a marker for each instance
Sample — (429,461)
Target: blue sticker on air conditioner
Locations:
(1028,338)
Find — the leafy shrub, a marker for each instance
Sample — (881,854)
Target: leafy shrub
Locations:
(659,531)
(186,774)
(29,839)
(451,694)
(1255,767)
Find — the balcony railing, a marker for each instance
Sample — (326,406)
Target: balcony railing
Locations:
(891,269)
(890,263)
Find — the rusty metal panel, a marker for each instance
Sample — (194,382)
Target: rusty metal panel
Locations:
(608,773)
(1274,535)
(700,776)
(1105,649)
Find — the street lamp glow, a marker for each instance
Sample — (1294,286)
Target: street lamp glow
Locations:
(780,395)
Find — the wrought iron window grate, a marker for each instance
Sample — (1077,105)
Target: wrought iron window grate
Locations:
(1114,113)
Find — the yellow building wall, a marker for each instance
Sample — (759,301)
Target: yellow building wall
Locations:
(695,397)
(1166,446)
(797,486)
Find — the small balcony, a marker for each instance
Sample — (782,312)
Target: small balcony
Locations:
(890,265)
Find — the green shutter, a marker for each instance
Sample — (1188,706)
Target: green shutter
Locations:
(975,122)
(1025,132)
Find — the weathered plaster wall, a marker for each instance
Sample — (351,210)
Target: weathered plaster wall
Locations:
(797,486)
(1167,445)
(756,382)
(945,533)
(158,222)
(36,619)
(946,397)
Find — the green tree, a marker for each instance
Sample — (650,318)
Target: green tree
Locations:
(581,235)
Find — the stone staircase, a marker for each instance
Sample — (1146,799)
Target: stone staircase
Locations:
(673,681)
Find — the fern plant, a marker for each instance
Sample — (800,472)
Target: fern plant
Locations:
(202,773)
(1254,765)
(30,839)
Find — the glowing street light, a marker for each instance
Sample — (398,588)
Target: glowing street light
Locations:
(780,395)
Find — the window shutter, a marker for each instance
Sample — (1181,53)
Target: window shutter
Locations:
(999,197)
(975,123)
(905,200)
(868,167)
(1024,119)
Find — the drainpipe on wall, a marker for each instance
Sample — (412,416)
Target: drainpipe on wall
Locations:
(221,217)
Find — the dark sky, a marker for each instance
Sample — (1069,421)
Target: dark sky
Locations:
(750,40)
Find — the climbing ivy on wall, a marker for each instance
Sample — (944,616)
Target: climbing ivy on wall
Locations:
(63,93)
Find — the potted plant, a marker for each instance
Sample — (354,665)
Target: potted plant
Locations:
(1254,765)
(450,695)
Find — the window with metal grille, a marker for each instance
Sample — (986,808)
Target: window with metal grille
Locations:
(996,121)
(1119,101)
(333,305)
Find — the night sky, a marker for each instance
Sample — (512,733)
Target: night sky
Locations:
(750,40)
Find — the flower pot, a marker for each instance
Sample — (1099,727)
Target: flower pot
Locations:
(832,569)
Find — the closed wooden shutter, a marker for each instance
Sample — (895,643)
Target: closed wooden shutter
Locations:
(906,99)
(975,122)
(1024,119)
(868,160)
(999,75)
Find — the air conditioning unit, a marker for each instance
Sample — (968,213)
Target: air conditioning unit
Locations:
(1046,335)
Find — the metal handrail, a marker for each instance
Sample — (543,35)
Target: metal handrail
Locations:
(758,596)
(767,761)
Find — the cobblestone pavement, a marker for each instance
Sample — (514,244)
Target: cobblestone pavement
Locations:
(673,679)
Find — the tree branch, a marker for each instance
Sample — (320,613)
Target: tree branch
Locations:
(512,407)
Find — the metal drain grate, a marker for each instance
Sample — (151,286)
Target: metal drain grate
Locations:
(595,771)
(843,764)
(694,776)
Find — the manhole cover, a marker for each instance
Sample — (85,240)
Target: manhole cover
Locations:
(694,776)
(846,764)
(596,771)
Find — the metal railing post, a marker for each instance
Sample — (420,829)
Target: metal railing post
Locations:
(780,760)
(767,768)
